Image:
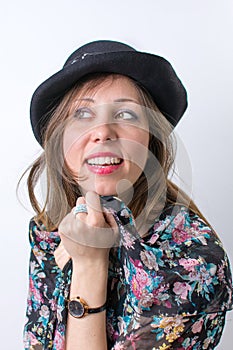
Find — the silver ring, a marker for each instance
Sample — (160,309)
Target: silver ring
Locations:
(80,208)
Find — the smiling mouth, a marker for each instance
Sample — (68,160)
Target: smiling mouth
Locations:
(104,165)
(104,161)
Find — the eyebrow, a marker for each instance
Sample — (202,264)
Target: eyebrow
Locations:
(85,99)
(125,100)
(88,99)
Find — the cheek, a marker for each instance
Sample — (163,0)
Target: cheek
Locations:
(138,148)
(72,146)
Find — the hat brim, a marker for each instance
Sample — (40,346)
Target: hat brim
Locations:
(153,72)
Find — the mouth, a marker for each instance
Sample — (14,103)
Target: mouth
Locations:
(104,161)
(104,164)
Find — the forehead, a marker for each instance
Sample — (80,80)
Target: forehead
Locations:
(108,87)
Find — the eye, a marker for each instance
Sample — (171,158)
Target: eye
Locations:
(126,115)
(83,113)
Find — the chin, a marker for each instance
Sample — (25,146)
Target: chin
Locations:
(103,191)
(121,188)
(100,189)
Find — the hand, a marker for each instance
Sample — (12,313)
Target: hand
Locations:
(88,235)
(61,256)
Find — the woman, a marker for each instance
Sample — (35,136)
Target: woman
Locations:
(121,258)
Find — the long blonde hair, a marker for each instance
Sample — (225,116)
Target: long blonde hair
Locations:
(152,191)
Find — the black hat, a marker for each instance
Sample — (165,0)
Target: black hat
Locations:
(153,72)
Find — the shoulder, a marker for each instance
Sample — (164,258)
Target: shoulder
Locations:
(183,227)
(187,235)
(41,238)
(193,260)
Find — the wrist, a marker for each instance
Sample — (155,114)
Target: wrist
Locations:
(89,281)
(90,265)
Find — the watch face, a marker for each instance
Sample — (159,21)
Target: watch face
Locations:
(76,308)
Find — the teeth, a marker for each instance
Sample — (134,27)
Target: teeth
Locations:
(104,161)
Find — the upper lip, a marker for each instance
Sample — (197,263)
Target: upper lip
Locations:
(103,154)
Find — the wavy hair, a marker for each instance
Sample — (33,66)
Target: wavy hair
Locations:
(153,190)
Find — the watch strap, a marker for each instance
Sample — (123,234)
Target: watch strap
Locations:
(95,310)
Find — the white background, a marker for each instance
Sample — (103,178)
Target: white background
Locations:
(37,37)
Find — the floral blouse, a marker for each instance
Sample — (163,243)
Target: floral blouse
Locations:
(168,290)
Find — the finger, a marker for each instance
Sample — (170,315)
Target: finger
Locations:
(80,215)
(85,234)
(109,218)
(80,200)
(94,208)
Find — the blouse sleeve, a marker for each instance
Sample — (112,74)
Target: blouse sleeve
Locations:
(48,287)
(178,332)
(173,286)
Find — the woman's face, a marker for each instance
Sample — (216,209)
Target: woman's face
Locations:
(106,137)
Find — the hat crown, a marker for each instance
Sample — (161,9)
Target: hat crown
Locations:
(152,72)
(97,47)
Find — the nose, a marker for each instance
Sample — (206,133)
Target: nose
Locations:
(104,132)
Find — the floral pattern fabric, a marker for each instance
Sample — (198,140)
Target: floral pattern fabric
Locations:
(168,290)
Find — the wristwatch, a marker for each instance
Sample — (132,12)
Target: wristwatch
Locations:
(78,308)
